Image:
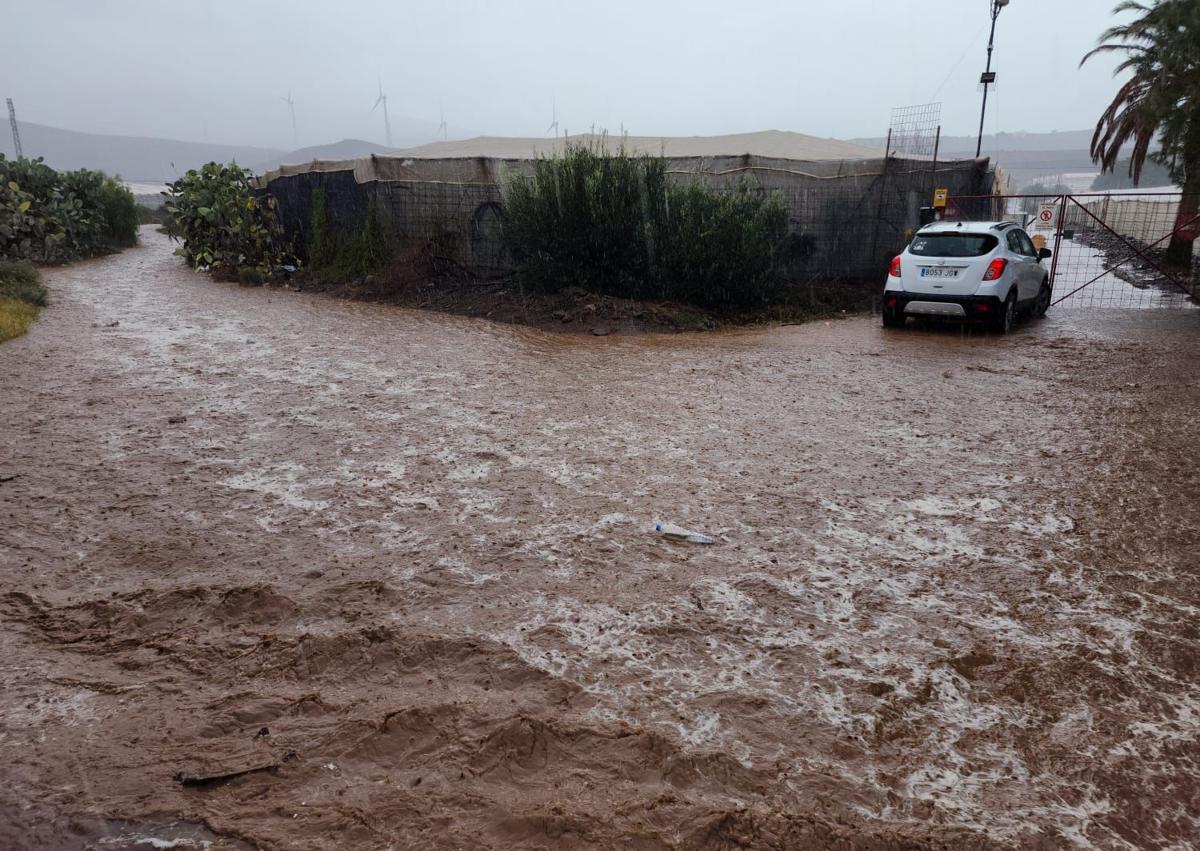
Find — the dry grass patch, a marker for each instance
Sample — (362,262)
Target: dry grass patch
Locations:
(21,294)
(15,317)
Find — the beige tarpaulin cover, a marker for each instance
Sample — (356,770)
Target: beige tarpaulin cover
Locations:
(484,159)
(485,170)
(774,144)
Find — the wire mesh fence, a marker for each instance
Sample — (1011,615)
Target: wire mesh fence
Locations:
(913,130)
(1112,250)
(846,219)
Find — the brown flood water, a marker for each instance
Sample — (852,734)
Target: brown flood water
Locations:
(408,560)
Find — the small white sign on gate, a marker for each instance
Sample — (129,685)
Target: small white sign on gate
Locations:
(1047,217)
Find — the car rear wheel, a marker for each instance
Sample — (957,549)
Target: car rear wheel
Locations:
(1003,322)
(1043,301)
(893,319)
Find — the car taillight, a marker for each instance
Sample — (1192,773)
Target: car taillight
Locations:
(995,269)
(895,270)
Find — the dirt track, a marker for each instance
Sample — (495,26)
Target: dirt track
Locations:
(407,559)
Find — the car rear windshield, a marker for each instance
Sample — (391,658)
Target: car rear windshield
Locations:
(953,245)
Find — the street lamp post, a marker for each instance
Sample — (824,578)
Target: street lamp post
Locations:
(989,76)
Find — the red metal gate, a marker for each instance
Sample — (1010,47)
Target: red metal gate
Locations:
(1114,249)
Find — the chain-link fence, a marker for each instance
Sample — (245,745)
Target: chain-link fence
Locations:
(1110,250)
(847,217)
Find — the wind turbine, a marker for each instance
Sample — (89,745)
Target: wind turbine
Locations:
(553,128)
(387,124)
(442,128)
(292,107)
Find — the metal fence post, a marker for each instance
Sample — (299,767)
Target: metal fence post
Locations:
(1058,232)
(937,144)
(887,151)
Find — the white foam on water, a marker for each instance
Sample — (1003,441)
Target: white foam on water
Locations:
(286,483)
(134,841)
(426,503)
(470,472)
(466,574)
(945,507)
(851,623)
(57,706)
(1073,821)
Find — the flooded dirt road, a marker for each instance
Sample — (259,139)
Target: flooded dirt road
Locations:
(290,573)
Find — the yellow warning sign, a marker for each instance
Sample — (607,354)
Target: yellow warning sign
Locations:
(940,196)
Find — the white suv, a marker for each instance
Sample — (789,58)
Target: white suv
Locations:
(987,271)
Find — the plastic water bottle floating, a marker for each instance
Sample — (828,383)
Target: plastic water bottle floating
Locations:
(678,533)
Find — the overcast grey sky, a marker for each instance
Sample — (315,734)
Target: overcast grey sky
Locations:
(217,69)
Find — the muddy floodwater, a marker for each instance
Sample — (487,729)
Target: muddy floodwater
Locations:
(290,573)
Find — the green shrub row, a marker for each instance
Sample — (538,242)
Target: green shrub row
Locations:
(226,225)
(615,223)
(50,216)
(356,256)
(19,280)
(154,216)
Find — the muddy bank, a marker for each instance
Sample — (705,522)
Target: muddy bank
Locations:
(573,312)
(386,578)
(425,283)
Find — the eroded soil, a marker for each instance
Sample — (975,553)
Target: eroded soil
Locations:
(377,578)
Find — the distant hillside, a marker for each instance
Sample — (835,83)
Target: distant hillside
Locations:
(1153,175)
(1031,165)
(347,149)
(134,158)
(1066,140)
(1029,156)
(1025,157)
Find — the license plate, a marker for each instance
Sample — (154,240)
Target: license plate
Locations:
(927,272)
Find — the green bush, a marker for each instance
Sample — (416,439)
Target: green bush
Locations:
(51,216)
(587,219)
(23,228)
(19,280)
(120,212)
(223,222)
(151,215)
(322,245)
(249,276)
(615,223)
(722,247)
(109,209)
(369,250)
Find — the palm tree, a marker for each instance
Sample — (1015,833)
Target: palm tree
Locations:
(1161,100)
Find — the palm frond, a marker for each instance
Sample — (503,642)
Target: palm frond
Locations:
(1125,119)
(1160,102)
(1112,48)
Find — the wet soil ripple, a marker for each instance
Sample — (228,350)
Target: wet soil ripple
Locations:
(953,603)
